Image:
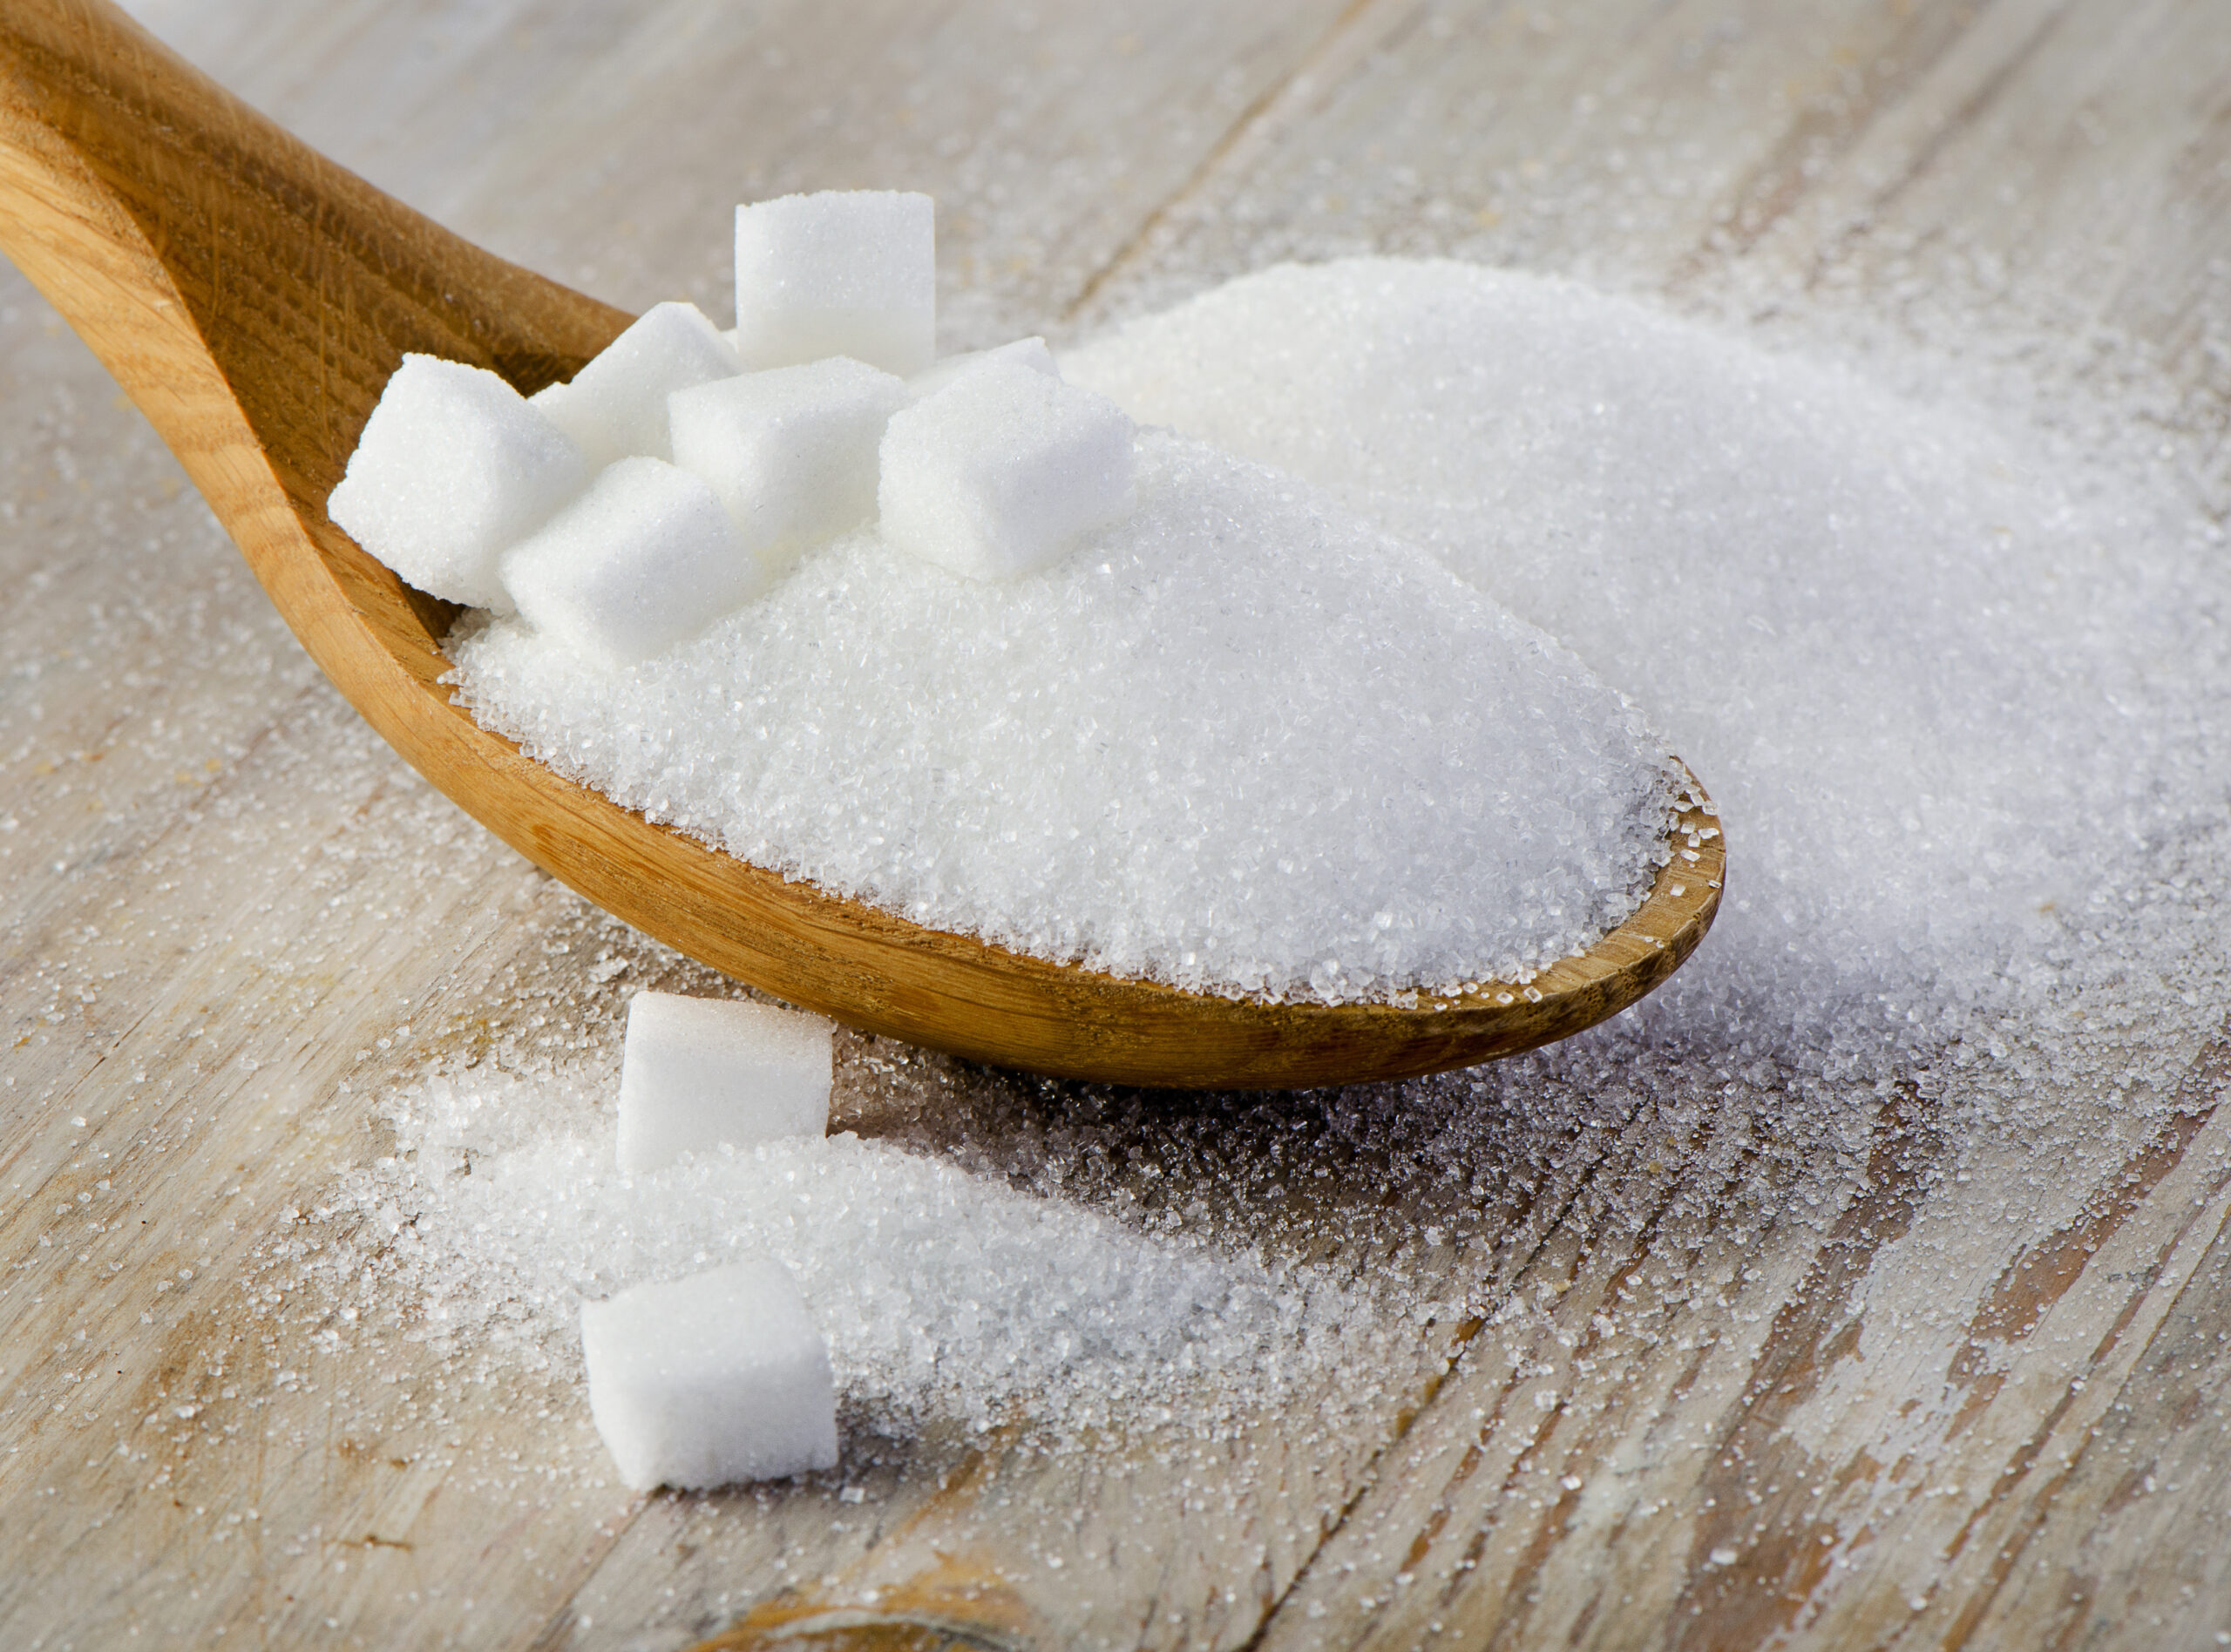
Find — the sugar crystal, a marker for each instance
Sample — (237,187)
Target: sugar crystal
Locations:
(453,468)
(1915,650)
(696,1073)
(645,557)
(1881,633)
(705,1381)
(1126,760)
(838,272)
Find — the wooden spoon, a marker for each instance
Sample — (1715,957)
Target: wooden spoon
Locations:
(252,297)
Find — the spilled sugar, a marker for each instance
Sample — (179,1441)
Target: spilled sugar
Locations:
(1127,759)
(944,1293)
(1950,684)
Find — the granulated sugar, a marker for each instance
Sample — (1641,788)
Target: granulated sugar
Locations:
(1234,741)
(1926,681)
(942,1292)
(1957,687)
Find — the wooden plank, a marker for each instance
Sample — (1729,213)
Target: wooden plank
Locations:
(1606,140)
(605,146)
(1731,1459)
(2126,1543)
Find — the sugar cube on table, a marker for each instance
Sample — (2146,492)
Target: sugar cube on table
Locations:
(1023,352)
(999,472)
(616,405)
(791,451)
(706,1381)
(644,558)
(840,273)
(453,468)
(696,1073)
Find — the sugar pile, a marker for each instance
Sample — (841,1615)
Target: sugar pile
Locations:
(1236,741)
(1952,685)
(944,1293)
(1930,683)
(1129,704)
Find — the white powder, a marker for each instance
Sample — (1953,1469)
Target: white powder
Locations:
(942,1292)
(1924,680)
(1234,741)
(1942,673)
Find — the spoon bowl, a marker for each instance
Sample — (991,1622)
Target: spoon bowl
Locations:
(252,297)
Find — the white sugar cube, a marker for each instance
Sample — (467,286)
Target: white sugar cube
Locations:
(616,405)
(696,1073)
(841,273)
(644,558)
(791,451)
(454,468)
(715,1378)
(1000,471)
(1023,352)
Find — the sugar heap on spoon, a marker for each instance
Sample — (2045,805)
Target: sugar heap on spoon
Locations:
(967,645)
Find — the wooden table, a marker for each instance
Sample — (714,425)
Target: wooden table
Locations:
(1704,1412)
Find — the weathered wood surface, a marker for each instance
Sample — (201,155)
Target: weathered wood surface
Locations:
(1746,1385)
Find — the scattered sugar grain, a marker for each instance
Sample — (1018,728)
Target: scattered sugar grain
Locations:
(697,1073)
(1128,760)
(715,1378)
(646,557)
(1002,471)
(838,273)
(454,467)
(943,1293)
(616,405)
(790,451)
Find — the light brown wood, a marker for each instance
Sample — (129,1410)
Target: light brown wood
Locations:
(253,298)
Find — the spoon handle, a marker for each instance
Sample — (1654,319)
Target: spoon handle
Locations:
(248,294)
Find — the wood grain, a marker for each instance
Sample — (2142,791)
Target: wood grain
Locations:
(1725,1310)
